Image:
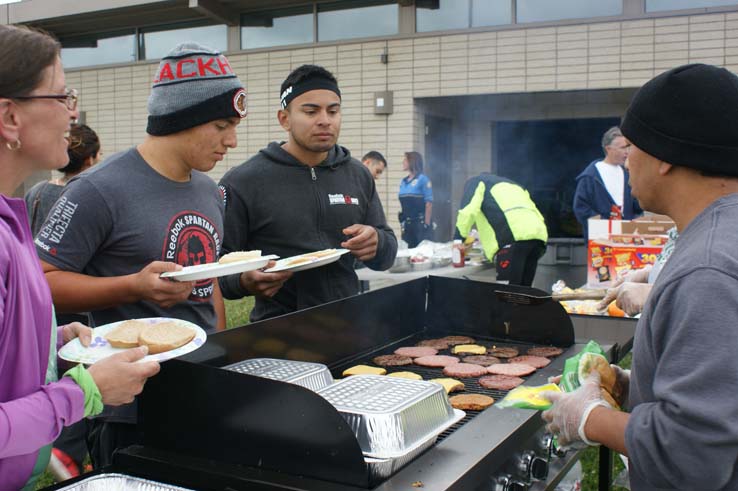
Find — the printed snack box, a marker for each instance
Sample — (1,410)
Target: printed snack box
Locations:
(613,252)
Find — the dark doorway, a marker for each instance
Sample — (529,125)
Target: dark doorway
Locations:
(438,169)
(545,157)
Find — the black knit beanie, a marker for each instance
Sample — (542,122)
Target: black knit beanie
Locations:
(193,85)
(688,116)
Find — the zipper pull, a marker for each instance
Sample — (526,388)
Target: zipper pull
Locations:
(312,174)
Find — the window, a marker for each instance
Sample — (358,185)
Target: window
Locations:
(495,13)
(449,14)
(546,10)
(119,49)
(157,44)
(364,19)
(278,28)
(659,5)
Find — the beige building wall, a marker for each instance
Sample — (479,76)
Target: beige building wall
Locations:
(575,59)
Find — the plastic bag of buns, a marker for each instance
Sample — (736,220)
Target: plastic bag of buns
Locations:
(578,367)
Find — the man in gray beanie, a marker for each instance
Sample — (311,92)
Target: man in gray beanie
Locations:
(682,428)
(146,211)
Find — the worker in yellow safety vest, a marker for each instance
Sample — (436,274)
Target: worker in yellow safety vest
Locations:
(511,229)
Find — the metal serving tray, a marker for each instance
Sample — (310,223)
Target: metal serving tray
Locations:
(313,376)
(382,468)
(390,416)
(120,482)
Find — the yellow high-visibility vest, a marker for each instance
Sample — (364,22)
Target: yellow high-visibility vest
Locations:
(518,211)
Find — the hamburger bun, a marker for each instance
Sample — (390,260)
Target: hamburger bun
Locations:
(236,256)
(125,335)
(165,336)
(612,391)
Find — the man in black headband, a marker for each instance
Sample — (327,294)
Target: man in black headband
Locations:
(306,194)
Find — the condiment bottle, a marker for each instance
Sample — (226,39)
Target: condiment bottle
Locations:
(457,254)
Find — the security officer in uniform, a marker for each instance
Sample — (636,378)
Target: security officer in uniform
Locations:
(416,200)
(511,229)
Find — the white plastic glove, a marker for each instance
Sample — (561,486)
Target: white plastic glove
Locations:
(632,297)
(632,276)
(635,276)
(569,413)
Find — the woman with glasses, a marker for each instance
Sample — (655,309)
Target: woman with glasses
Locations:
(36,110)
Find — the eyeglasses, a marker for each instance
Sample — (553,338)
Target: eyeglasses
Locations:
(69,98)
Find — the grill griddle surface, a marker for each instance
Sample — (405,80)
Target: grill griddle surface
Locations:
(471,385)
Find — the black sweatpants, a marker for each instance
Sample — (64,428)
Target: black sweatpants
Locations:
(413,232)
(517,262)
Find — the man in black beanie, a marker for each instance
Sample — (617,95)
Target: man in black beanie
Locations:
(148,210)
(682,428)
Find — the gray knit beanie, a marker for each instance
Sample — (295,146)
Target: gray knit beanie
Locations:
(193,85)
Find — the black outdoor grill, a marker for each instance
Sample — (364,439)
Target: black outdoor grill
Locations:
(207,428)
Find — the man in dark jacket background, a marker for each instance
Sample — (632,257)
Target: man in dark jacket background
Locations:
(602,188)
(304,195)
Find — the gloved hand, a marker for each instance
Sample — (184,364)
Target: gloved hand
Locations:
(622,381)
(569,413)
(632,276)
(630,297)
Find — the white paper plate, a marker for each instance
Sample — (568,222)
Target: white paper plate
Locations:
(284,264)
(99,348)
(214,270)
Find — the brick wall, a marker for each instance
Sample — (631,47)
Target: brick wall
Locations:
(568,60)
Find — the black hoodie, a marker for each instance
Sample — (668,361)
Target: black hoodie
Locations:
(279,205)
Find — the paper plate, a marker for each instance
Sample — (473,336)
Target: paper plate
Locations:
(99,348)
(214,270)
(285,264)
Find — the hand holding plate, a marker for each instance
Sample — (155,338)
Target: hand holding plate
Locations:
(165,293)
(363,242)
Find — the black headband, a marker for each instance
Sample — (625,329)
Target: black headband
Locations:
(316,83)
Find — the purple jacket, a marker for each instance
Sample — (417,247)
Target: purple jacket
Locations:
(32,414)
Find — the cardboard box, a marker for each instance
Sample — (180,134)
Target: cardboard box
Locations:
(615,247)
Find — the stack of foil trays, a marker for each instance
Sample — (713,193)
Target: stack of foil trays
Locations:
(313,376)
(394,419)
(119,482)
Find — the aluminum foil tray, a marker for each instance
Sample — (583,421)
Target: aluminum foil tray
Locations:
(390,415)
(313,376)
(380,469)
(120,482)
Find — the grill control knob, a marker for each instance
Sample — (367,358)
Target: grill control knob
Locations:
(523,465)
(546,444)
(505,482)
(532,467)
(539,469)
(557,451)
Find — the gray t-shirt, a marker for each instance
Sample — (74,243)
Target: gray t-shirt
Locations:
(39,200)
(121,215)
(683,427)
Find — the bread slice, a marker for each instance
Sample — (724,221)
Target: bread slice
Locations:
(125,335)
(323,253)
(301,260)
(165,336)
(236,256)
